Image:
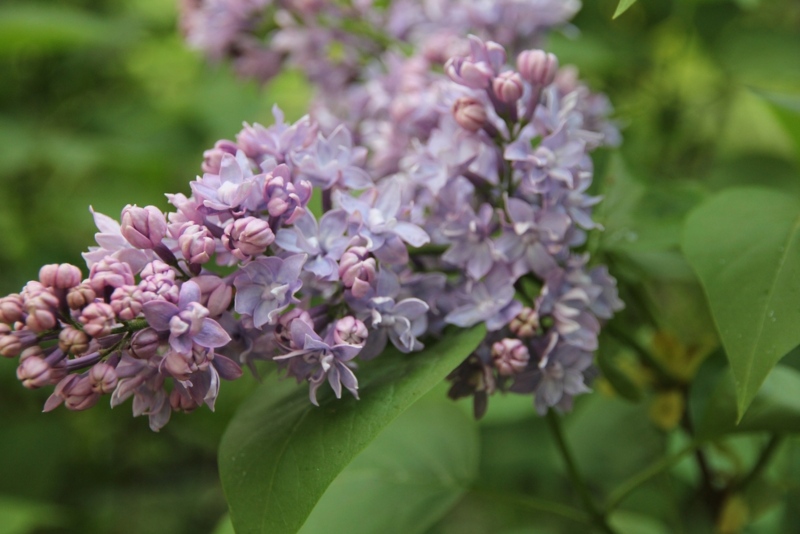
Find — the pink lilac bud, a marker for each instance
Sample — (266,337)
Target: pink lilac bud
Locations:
(469,113)
(144,228)
(159,269)
(98,319)
(76,392)
(81,296)
(11,309)
(284,197)
(103,378)
(537,67)
(197,244)
(127,302)
(41,312)
(350,331)
(145,344)
(510,356)
(73,341)
(212,158)
(508,87)
(32,290)
(35,350)
(60,276)
(10,345)
(110,272)
(357,270)
(182,366)
(216,295)
(248,237)
(525,324)
(33,372)
(284,327)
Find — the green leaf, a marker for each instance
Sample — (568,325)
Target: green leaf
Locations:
(426,460)
(744,244)
(776,407)
(18,516)
(622,7)
(280,452)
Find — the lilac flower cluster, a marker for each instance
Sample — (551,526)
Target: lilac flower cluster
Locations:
(469,208)
(331,41)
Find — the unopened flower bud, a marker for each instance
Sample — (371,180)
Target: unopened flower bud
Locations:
(40,318)
(247,237)
(212,158)
(11,309)
(510,356)
(103,378)
(525,324)
(537,67)
(508,87)
(109,272)
(357,270)
(10,345)
(144,228)
(73,341)
(158,269)
(35,350)
(81,296)
(284,197)
(145,344)
(60,276)
(216,295)
(197,244)
(98,319)
(469,113)
(284,327)
(181,401)
(182,366)
(77,392)
(127,302)
(350,331)
(33,372)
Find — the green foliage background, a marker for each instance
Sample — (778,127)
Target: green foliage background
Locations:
(102,105)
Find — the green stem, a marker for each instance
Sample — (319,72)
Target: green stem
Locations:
(597,516)
(664,375)
(534,503)
(763,460)
(630,485)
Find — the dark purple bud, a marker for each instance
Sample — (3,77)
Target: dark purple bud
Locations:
(60,276)
(127,302)
(537,67)
(510,356)
(145,344)
(525,324)
(182,366)
(10,345)
(181,401)
(215,294)
(77,392)
(110,272)
(33,372)
(350,331)
(227,368)
(81,296)
(508,87)
(357,270)
(469,113)
(98,319)
(103,378)
(73,341)
(247,237)
(11,309)
(197,244)
(144,228)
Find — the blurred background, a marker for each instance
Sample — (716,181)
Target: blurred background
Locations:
(101,104)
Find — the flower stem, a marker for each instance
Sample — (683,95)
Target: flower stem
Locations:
(597,516)
(761,464)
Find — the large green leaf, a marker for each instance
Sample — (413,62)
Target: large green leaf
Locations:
(623,6)
(744,244)
(280,453)
(775,409)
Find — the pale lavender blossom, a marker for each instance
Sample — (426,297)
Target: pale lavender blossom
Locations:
(266,286)
(235,188)
(490,300)
(324,243)
(333,161)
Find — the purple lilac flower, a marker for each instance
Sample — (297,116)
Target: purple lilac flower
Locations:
(490,300)
(324,243)
(266,287)
(235,188)
(334,162)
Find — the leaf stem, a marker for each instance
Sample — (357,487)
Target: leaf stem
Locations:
(761,464)
(534,503)
(597,515)
(658,467)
